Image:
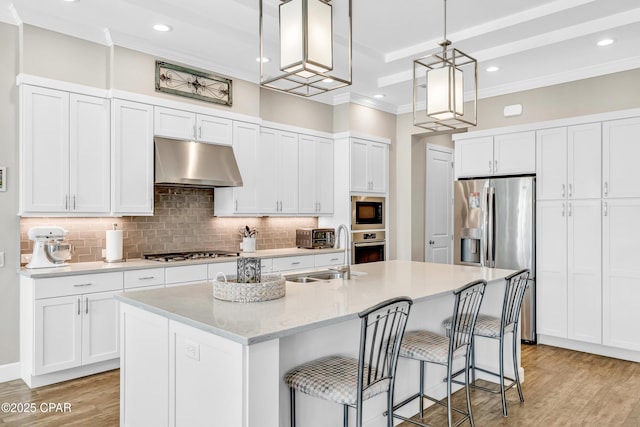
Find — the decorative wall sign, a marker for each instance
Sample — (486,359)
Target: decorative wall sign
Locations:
(194,84)
(3,178)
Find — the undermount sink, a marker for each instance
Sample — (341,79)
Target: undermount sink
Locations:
(315,276)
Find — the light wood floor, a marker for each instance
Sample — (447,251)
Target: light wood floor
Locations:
(562,388)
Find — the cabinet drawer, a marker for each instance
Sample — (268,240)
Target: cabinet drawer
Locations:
(222,267)
(186,273)
(293,263)
(323,260)
(76,285)
(266,265)
(140,278)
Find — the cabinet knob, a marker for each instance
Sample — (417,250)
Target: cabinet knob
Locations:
(606,189)
(563,190)
(431,242)
(606,209)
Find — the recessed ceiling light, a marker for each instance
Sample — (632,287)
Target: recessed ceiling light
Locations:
(492,69)
(605,42)
(379,95)
(263,59)
(162,28)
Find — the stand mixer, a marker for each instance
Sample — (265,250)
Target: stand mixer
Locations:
(49,248)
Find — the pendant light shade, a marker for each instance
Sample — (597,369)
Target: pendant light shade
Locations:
(306,31)
(440,83)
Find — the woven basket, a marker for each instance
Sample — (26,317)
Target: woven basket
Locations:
(227,288)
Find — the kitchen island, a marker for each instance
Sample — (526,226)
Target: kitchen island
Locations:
(188,359)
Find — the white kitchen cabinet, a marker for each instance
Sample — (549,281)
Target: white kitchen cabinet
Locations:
(315,175)
(242,200)
(620,154)
(100,328)
(132,154)
(329,259)
(146,278)
(551,268)
(584,271)
(369,166)
(551,168)
(185,274)
(226,268)
(506,154)
(179,124)
(67,134)
(278,172)
(289,263)
(621,273)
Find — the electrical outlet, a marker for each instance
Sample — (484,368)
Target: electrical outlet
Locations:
(104,253)
(192,350)
(1,259)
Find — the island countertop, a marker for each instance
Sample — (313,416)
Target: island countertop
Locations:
(306,305)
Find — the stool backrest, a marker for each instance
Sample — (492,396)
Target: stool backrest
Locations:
(465,312)
(382,329)
(513,295)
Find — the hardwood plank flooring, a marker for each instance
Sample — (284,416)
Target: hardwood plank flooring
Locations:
(562,388)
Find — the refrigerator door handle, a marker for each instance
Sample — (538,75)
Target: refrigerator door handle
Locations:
(491,262)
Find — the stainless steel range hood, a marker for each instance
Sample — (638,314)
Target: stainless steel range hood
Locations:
(195,164)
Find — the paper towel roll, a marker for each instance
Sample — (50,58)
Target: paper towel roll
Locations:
(114,245)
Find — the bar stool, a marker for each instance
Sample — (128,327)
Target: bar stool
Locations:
(350,381)
(430,347)
(496,328)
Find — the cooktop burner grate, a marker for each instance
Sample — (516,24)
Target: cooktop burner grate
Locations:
(188,256)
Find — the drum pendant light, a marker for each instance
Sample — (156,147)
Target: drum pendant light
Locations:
(440,82)
(307,46)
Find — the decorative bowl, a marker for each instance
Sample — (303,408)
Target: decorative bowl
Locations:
(227,288)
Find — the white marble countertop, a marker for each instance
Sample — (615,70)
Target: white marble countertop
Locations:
(71,269)
(306,305)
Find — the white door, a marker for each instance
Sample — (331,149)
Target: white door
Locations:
(89,154)
(584,271)
(551,268)
(585,161)
(45,150)
(439,205)
(621,273)
(551,167)
(58,334)
(100,319)
(620,154)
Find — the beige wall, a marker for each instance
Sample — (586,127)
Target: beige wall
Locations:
(9,221)
(293,110)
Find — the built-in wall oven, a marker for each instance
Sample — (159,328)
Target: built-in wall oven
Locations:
(368,246)
(367,213)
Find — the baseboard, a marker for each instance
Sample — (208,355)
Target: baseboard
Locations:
(599,349)
(9,372)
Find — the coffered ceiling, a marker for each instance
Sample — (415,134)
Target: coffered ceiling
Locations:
(533,42)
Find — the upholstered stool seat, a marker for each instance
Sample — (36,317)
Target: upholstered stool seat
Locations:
(427,346)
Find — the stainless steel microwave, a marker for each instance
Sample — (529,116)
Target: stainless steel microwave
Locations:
(367,213)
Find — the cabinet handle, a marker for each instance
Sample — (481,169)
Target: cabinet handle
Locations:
(146,278)
(74,203)
(194,131)
(200,132)
(295,263)
(319,205)
(606,210)
(86,307)
(78,306)
(66,202)
(569,209)
(490,166)
(606,189)
(570,189)
(495,166)
(236,203)
(562,208)
(80,285)
(335,259)
(563,190)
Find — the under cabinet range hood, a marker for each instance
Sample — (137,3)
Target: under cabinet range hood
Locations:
(183,163)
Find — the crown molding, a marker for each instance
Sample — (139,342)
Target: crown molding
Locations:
(9,15)
(354,98)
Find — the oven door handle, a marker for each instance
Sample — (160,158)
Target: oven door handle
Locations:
(363,244)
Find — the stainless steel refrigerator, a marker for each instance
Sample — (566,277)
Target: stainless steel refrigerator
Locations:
(494,226)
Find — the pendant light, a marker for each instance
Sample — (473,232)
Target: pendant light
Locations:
(440,81)
(306,45)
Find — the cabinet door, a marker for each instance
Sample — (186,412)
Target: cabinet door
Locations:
(45,150)
(58,334)
(214,129)
(585,159)
(174,123)
(551,268)
(620,154)
(246,137)
(377,167)
(267,184)
(286,169)
(324,176)
(474,157)
(621,273)
(307,163)
(551,166)
(359,177)
(584,271)
(89,154)
(514,153)
(100,328)
(132,165)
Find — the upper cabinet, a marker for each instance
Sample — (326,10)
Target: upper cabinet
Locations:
(278,171)
(315,171)
(507,154)
(65,153)
(620,154)
(569,161)
(178,124)
(369,166)
(132,158)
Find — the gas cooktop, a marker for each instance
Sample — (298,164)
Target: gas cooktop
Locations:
(188,256)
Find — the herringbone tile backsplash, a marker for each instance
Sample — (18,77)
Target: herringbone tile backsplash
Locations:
(182,221)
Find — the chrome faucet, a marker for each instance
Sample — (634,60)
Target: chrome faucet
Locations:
(345,269)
